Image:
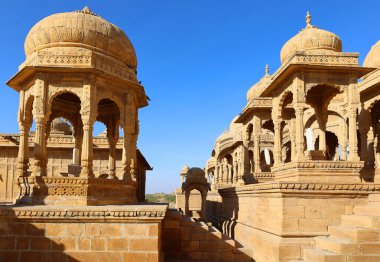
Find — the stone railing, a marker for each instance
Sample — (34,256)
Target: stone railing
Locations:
(55,139)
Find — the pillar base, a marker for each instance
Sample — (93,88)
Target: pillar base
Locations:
(75,191)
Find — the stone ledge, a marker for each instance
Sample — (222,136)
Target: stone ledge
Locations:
(321,164)
(115,213)
(285,187)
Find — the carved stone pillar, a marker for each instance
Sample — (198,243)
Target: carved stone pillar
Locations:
(23,151)
(131,130)
(224,172)
(77,150)
(214,181)
(256,152)
(299,133)
(240,171)
(39,145)
(245,156)
(344,151)
(112,141)
(277,142)
(363,145)
(88,115)
(45,153)
(371,145)
(129,153)
(228,174)
(256,143)
(353,139)
(235,172)
(322,139)
(292,139)
(87,149)
(216,174)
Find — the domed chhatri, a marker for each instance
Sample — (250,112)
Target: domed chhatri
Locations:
(83,68)
(81,29)
(311,38)
(259,87)
(373,57)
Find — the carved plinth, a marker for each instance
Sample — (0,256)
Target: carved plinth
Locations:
(315,155)
(319,171)
(76,191)
(260,177)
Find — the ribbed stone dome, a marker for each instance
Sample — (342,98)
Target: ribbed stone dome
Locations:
(256,90)
(82,29)
(373,57)
(311,38)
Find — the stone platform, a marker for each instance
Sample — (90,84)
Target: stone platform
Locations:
(321,171)
(83,233)
(76,191)
(278,220)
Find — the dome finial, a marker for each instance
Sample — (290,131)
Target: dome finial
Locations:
(308,19)
(267,70)
(86,10)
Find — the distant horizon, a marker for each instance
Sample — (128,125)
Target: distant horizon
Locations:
(197,60)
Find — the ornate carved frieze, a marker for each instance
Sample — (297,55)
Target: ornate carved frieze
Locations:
(82,60)
(91,190)
(86,213)
(329,59)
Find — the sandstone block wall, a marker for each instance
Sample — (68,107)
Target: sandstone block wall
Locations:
(21,241)
(277,225)
(115,233)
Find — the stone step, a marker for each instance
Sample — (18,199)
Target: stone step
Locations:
(374,198)
(318,255)
(361,221)
(369,210)
(337,245)
(355,234)
(343,246)
(246,251)
(203,225)
(363,258)
(243,255)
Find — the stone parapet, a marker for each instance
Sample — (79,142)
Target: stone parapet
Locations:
(106,233)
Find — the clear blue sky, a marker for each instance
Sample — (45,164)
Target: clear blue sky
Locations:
(197,59)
